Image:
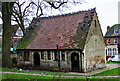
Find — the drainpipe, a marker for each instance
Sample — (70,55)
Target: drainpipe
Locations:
(58,57)
(81,54)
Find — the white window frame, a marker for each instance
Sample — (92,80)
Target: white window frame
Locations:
(109,52)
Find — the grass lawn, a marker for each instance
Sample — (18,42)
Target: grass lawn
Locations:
(112,72)
(113,62)
(23,77)
(39,72)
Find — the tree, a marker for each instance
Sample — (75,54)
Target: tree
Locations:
(6,38)
(20,15)
(22,10)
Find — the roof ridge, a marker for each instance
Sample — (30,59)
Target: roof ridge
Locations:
(66,14)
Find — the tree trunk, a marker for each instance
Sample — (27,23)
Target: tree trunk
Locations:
(6,38)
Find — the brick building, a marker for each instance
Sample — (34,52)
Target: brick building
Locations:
(72,42)
(112,39)
(15,36)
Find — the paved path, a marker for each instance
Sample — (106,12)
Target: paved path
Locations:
(61,76)
(88,75)
(108,67)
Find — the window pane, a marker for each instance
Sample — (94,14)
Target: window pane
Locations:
(116,31)
(115,41)
(115,51)
(63,55)
(19,54)
(110,52)
(26,56)
(15,41)
(108,41)
(42,55)
(49,55)
(56,55)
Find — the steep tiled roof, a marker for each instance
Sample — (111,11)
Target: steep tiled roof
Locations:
(111,31)
(66,31)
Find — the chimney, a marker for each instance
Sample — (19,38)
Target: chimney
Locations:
(108,27)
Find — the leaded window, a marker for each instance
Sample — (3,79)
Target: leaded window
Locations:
(42,55)
(56,55)
(26,56)
(63,55)
(49,55)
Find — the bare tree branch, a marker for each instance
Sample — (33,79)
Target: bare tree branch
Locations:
(22,12)
(53,4)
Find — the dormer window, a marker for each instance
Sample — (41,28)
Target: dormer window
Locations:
(116,31)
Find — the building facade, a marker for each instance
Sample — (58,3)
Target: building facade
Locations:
(112,39)
(72,42)
(15,36)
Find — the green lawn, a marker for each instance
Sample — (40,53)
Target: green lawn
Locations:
(112,72)
(39,72)
(17,77)
(113,62)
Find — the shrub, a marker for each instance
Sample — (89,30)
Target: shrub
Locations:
(14,60)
